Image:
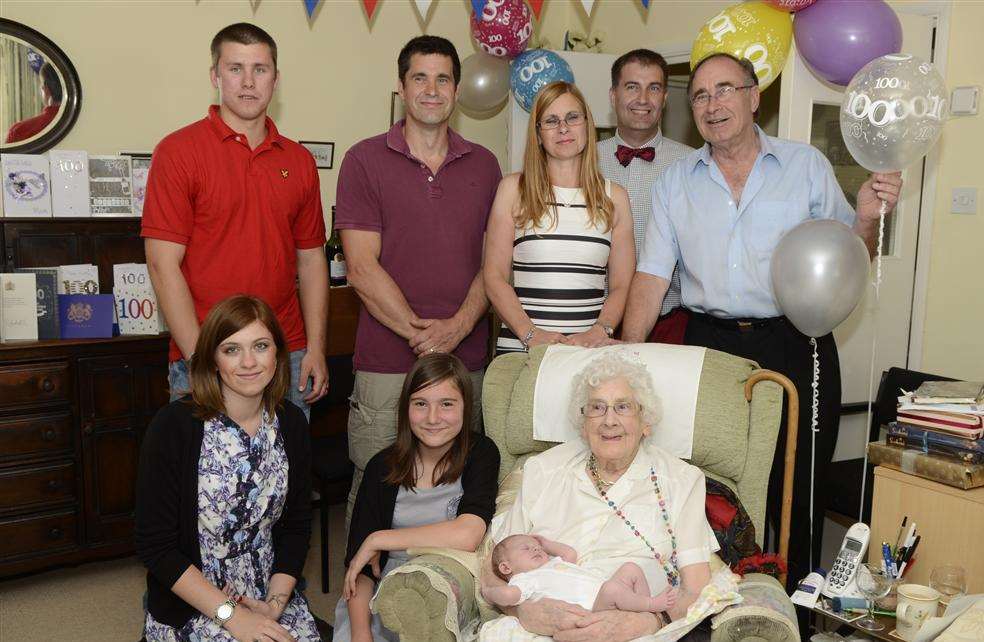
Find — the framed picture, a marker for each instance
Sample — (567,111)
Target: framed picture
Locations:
(324,153)
(396,108)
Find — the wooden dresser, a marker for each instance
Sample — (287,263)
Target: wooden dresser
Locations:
(72,417)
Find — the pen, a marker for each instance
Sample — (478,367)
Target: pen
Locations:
(887,558)
(912,549)
(898,538)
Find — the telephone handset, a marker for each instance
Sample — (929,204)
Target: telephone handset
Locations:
(841,579)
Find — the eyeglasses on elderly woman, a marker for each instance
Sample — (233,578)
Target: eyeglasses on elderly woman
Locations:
(596,409)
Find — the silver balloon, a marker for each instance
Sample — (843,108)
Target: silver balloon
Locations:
(893,112)
(484,82)
(819,272)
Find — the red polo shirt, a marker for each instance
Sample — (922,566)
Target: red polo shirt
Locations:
(240,213)
(31,126)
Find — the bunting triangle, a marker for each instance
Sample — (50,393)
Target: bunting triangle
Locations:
(645,3)
(422,7)
(477,6)
(310,5)
(254,4)
(588,6)
(536,6)
(370,6)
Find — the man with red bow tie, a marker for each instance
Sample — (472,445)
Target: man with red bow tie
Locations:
(638,154)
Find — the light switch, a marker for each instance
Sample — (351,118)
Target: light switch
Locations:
(964,101)
(963,200)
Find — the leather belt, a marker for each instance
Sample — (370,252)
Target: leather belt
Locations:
(738,325)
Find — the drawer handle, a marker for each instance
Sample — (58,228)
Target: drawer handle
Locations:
(53,485)
(49,434)
(55,533)
(47,384)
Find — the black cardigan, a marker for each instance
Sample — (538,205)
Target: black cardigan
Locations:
(167,504)
(376,500)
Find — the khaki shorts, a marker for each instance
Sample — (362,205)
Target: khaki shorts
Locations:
(372,419)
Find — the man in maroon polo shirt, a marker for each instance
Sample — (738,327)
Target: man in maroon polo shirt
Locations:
(412,206)
(234,207)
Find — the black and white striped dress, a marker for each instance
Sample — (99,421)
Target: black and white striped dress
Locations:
(559,272)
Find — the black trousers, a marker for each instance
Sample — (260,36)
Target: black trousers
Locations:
(777,345)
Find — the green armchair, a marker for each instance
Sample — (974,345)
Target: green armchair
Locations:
(735,430)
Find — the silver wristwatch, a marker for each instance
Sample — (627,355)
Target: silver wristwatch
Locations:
(609,330)
(223,613)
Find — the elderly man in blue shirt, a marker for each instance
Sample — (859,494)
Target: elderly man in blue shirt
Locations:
(718,214)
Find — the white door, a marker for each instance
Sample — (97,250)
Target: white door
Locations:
(809,112)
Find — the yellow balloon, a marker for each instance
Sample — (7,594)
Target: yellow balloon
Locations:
(752,30)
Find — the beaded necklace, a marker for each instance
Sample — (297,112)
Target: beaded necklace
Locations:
(672,574)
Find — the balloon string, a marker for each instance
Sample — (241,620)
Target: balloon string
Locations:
(871,366)
(814,425)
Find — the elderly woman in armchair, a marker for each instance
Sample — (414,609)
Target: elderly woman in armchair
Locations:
(614,498)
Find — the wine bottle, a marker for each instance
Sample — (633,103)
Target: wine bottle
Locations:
(336,257)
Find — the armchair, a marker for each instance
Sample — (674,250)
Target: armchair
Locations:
(735,430)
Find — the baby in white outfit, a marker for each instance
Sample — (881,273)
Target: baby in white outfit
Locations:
(536,567)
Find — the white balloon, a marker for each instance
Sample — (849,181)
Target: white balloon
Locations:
(893,112)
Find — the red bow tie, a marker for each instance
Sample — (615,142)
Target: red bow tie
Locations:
(626,154)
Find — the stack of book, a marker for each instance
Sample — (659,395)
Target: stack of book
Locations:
(939,434)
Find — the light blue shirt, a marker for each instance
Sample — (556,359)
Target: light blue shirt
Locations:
(724,248)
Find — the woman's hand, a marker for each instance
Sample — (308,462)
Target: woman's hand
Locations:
(545,337)
(612,626)
(367,554)
(547,616)
(591,338)
(248,625)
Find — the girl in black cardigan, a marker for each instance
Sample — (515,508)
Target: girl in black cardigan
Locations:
(435,486)
(223,514)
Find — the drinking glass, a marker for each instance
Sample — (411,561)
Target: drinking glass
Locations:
(874,584)
(951,581)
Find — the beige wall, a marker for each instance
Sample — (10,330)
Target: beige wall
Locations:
(953,341)
(144,71)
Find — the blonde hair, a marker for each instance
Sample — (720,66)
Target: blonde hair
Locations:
(536,196)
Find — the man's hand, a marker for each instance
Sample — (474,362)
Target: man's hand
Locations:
(313,366)
(611,626)
(877,189)
(436,335)
(547,616)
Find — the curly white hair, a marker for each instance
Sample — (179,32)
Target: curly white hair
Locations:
(613,364)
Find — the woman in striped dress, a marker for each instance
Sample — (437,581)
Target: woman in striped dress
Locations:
(558,229)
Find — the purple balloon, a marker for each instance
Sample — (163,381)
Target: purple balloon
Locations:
(838,37)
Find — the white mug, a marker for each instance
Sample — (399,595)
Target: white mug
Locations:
(916,604)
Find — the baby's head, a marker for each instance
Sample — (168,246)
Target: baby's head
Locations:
(517,554)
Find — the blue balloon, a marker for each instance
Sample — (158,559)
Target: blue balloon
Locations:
(534,69)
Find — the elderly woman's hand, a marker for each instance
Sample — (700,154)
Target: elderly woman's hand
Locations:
(611,626)
(547,616)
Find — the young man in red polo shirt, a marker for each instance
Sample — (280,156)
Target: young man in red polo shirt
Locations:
(234,207)
(412,206)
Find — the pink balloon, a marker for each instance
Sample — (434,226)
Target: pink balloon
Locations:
(790,5)
(503,28)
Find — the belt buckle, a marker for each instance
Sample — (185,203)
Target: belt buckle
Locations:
(746,326)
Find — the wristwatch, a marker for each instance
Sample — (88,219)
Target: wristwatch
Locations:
(223,613)
(609,330)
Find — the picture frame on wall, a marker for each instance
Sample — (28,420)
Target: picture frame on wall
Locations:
(396,108)
(324,153)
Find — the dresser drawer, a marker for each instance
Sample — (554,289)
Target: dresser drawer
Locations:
(37,534)
(37,486)
(27,436)
(33,383)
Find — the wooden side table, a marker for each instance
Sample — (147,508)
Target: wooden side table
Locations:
(949,519)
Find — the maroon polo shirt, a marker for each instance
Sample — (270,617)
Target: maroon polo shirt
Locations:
(241,214)
(431,227)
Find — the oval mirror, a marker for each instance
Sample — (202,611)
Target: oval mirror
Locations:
(39,88)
